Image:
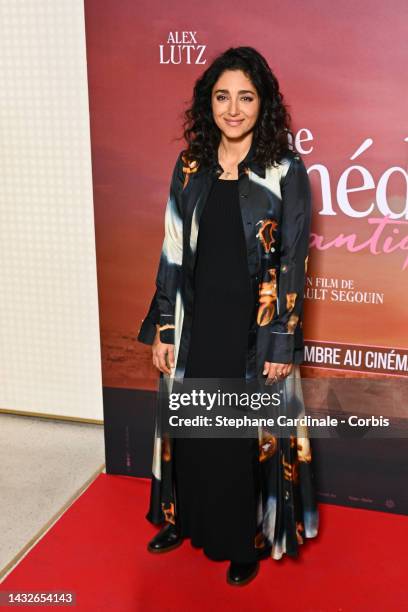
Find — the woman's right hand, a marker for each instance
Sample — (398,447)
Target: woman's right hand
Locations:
(163,354)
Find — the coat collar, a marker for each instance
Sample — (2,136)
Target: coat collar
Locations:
(247,162)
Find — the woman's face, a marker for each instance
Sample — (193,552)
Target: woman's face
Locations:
(235,104)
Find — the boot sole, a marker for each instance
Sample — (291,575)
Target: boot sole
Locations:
(165,549)
(246,580)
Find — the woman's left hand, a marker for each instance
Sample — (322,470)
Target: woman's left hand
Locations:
(276,371)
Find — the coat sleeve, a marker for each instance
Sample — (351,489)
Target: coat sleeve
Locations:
(295,237)
(162,307)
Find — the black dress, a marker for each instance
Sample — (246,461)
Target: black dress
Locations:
(217,479)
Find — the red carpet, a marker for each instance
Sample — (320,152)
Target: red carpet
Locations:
(98,549)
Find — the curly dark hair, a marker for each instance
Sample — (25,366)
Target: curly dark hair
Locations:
(272,128)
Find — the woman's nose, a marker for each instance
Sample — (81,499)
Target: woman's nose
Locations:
(233,107)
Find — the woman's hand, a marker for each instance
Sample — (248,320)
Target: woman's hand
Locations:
(276,371)
(163,354)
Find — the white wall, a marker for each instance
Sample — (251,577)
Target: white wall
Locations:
(49,328)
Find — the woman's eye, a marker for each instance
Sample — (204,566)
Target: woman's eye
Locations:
(221,98)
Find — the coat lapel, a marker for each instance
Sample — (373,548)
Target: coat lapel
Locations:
(202,185)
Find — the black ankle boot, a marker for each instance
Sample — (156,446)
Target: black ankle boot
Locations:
(241,573)
(166,539)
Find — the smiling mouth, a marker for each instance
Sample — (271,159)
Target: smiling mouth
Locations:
(234,122)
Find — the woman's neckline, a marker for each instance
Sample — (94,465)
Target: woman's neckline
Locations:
(227,180)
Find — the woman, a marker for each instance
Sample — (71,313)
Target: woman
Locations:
(228,304)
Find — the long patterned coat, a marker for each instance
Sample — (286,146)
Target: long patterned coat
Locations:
(275,203)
